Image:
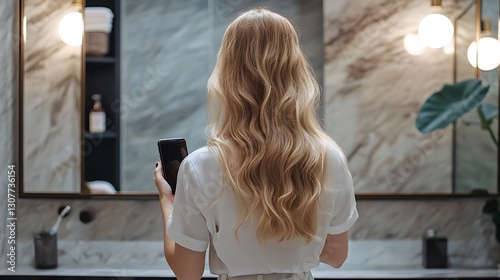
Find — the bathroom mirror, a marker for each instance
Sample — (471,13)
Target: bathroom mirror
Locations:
(50,98)
(377,76)
(152,83)
(165,68)
(476,155)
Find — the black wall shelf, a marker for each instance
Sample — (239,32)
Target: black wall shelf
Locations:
(96,59)
(102,76)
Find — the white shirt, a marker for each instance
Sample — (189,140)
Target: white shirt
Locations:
(200,219)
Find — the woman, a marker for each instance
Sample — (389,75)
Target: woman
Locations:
(271,193)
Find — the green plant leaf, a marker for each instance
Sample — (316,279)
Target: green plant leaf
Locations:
(449,104)
(489,111)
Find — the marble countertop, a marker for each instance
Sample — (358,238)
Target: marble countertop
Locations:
(322,272)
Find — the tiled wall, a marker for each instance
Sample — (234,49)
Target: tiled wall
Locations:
(388,233)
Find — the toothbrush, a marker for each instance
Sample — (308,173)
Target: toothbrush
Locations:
(53,229)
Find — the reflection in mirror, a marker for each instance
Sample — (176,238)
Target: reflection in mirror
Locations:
(151,78)
(51,99)
(374,88)
(165,68)
(476,155)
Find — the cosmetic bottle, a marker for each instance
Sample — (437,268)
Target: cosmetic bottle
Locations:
(97,116)
(434,251)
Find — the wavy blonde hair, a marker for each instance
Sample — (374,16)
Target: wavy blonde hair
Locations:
(261,105)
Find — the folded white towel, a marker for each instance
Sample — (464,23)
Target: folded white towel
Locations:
(101,11)
(101,187)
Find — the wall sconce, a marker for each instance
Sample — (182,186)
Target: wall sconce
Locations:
(435,30)
(488,50)
(71,26)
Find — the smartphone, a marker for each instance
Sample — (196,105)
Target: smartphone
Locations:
(172,152)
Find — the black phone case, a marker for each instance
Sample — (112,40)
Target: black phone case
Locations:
(170,170)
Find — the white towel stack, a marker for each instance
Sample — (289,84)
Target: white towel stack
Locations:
(98,25)
(98,19)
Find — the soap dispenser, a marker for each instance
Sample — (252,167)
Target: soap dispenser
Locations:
(97,116)
(434,251)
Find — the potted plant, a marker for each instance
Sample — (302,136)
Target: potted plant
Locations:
(451,103)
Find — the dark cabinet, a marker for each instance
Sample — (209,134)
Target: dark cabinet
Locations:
(102,76)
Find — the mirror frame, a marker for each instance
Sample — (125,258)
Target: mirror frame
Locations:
(154,196)
(20,119)
(443,196)
(477,4)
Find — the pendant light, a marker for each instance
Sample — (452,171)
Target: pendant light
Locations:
(435,30)
(488,52)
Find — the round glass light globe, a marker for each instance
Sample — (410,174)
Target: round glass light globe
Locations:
(71,29)
(435,30)
(413,45)
(488,54)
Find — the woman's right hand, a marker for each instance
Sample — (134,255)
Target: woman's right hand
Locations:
(164,189)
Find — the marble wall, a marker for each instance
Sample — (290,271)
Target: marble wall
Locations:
(164,72)
(387,235)
(129,233)
(374,89)
(8,86)
(51,101)
(165,68)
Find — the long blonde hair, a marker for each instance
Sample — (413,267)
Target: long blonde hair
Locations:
(261,105)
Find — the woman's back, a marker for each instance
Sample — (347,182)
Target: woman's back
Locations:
(271,187)
(210,212)
(262,98)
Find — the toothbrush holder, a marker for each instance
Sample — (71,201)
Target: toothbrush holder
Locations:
(45,250)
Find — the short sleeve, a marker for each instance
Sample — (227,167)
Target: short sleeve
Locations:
(344,212)
(187,226)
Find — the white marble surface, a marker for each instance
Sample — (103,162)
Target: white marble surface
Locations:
(51,101)
(387,232)
(400,253)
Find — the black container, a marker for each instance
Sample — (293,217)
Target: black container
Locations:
(435,252)
(45,250)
